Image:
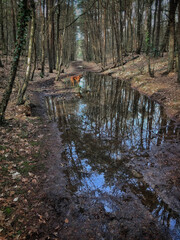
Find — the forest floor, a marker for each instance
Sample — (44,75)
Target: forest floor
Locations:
(32,183)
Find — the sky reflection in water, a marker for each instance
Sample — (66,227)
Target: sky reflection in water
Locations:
(102,132)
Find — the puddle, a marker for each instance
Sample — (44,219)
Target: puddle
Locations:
(111,126)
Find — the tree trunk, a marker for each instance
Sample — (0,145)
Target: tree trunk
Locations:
(58,34)
(104,40)
(156,53)
(165,39)
(117,29)
(178,37)
(148,37)
(20,42)
(1,64)
(50,36)
(22,90)
(149,18)
(13,20)
(154,25)
(140,10)
(42,9)
(172,10)
(62,44)
(35,61)
(2,26)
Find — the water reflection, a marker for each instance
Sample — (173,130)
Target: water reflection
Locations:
(110,125)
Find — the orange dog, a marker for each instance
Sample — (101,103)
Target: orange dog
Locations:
(75,79)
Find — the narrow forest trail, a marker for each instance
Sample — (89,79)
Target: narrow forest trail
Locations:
(66,215)
(52,208)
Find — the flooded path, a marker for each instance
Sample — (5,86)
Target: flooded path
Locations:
(122,155)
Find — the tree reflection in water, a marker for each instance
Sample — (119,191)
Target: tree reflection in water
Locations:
(110,125)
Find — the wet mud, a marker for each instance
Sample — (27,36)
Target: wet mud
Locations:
(118,174)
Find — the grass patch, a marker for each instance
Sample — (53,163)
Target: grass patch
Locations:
(32,166)
(26,168)
(19,159)
(34,143)
(36,155)
(3,147)
(136,79)
(2,158)
(8,211)
(20,191)
(24,134)
(4,170)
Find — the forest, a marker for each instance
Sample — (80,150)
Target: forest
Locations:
(89,119)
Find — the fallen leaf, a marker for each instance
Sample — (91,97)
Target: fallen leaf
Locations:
(15,199)
(31,174)
(66,220)
(12,193)
(16,175)
(34,181)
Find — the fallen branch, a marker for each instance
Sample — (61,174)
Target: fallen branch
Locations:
(118,65)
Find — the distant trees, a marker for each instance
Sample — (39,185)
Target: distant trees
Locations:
(116,28)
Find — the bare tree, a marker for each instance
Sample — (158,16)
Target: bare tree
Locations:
(178,37)
(23,18)
(22,89)
(172,10)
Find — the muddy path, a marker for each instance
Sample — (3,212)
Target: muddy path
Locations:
(147,204)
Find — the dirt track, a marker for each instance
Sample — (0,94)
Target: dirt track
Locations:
(73,217)
(59,215)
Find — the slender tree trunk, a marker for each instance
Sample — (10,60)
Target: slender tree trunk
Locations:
(62,44)
(117,34)
(149,18)
(61,55)
(7,32)
(22,90)
(58,35)
(20,42)
(178,37)
(13,20)
(154,25)
(105,37)
(158,29)
(129,31)
(120,32)
(42,8)
(172,10)
(112,33)
(50,36)
(53,39)
(1,64)
(140,9)
(35,60)
(2,26)
(148,37)
(165,39)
